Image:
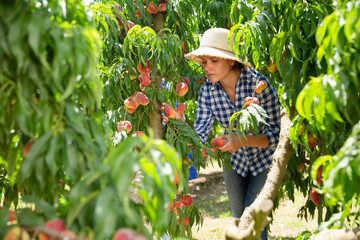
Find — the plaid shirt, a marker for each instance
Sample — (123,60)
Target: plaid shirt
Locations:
(214,102)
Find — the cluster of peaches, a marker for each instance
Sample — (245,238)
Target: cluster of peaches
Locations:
(187,201)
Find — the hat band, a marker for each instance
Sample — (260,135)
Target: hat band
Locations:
(217,48)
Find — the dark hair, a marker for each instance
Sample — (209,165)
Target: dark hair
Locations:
(238,66)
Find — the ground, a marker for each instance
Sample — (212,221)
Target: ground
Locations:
(209,193)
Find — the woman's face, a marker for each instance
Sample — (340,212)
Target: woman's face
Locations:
(216,69)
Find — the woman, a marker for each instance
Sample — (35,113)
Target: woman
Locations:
(228,82)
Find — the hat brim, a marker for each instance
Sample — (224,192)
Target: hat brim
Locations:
(196,55)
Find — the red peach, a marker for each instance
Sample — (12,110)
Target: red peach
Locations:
(144,69)
(169,111)
(186,200)
(129,25)
(27,148)
(144,78)
(204,153)
(128,234)
(311,139)
(131,104)
(174,205)
(141,98)
(260,86)
(218,142)
(138,13)
(180,109)
(124,125)
(249,100)
(176,179)
(151,8)
(181,89)
(315,197)
(162,7)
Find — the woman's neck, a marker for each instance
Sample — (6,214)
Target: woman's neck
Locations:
(230,81)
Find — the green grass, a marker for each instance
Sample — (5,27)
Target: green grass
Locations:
(215,206)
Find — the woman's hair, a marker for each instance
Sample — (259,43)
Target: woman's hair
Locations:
(238,66)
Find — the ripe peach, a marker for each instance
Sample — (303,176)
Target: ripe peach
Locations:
(144,78)
(17,233)
(55,224)
(249,100)
(180,109)
(204,153)
(218,142)
(181,89)
(124,125)
(151,8)
(185,80)
(176,179)
(127,234)
(272,67)
(141,98)
(311,139)
(175,205)
(186,200)
(302,129)
(144,69)
(162,7)
(260,86)
(27,148)
(69,234)
(131,104)
(169,111)
(138,13)
(315,197)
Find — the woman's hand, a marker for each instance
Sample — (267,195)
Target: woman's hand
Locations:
(232,144)
(165,117)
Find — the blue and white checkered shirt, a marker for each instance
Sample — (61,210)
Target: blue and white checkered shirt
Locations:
(214,102)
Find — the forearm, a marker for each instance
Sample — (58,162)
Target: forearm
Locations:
(255,141)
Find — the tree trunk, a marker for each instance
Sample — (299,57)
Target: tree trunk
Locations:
(155,113)
(255,217)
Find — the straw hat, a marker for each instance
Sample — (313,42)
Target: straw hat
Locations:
(214,43)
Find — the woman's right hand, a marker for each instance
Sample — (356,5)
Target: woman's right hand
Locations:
(173,114)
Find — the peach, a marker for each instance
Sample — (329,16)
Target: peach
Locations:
(124,125)
(144,78)
(127,233)
(17,233)
(272,67)
(169,111)
(301,167)
(204,153)
(250,100)
(181,89)
(151,8)
(138,13)
(131,104)
(180,109)
(311,139)
(185,80)
(218,142)
(55,224)
(302,129)
(144,69)
(141,98)
(69,234)
(174,205)
(315,197)
(183,45)
(260,86)
(138,133)
(27,148)
(186,200)
(162,7)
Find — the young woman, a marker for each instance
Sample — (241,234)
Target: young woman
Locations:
(229,82)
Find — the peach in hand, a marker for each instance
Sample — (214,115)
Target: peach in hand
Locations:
(218,142)
(180,109)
